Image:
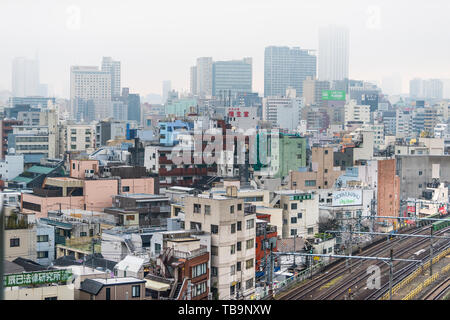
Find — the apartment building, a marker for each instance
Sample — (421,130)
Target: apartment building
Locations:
(233,233)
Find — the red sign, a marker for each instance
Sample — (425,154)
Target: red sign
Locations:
(412,209)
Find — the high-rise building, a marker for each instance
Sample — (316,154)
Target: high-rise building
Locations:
(204,76)
(283,112)
(333,53)
(232,77)
(113,67)
(287,67)
(193,80)
(416,88)
(433,89)
(90,92)
(166,88)
(25,77)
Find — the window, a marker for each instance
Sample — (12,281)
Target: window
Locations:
(232,209)
(83,234)
(299,145)
(42,254)
(197,207)
(214,251)
(108,294)
(310,230)
(42,238)
(239,225)
(326,170)
(233,249)
(238,266)
(199,289)
(130,217)
(196,226)
(299,156)
(232,270)
(249,264)
(299,215)
(310,183)
(198,270)
(126,189)
(239,206)
(214,229)
(293,219)
(330,249)
(293,206)
(51,298)
(294,183)
(136,291)
(249,284)
(420,173)
(232,290)
(326,183)
(157,248)
(15,242)
(250,224)
(285,206)
(420,185)
(293,232)
(326,151)
(239,245)
(250,243)
(233,228)
(214,271)
(207,209)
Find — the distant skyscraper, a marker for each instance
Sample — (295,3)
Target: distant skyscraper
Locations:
(313,90)
(193,80)
(232,77)
(416,88)
(204,76)
(287,67)
(113,67)
(25,77)
(166,88)
(433,89)
(90,93)
(133,102)
(333,53)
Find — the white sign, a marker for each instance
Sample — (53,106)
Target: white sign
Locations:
(347,198)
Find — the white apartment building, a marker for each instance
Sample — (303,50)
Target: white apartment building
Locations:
(233,233)
(283,112)
(204,76)
(90,85)
(11,167)
(378,132)
(356,112)
(300,213)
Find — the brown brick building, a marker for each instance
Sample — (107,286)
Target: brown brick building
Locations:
(388,195)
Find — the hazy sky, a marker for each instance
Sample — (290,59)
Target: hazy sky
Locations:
(160,40)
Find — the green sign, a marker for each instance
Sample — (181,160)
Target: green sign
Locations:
(32,278)
(334,95)
(301,197)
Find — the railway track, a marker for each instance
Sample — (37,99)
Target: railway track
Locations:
(438,291)
(339,279)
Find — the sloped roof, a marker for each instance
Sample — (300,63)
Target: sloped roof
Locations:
(91,286)
(11,267)
(40,169)
(29,265)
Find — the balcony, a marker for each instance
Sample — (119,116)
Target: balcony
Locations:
(190,254)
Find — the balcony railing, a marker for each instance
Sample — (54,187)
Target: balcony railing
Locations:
(190,254)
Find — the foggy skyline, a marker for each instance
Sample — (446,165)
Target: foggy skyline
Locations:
(161,41)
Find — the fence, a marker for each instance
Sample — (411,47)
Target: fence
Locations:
(414,275)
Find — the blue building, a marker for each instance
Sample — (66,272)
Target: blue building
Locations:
(45,244)
(232,77)
(168,131)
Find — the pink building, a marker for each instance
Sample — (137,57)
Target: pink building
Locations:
(87,188)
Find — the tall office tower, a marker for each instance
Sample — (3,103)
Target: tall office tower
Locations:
(433,89)
(416,88)
(204,76)
(113,67)
(25,77)
(193,80)
(166,88)
(287,67)
(232,77)
(333,53)
(90,93)
(133,101)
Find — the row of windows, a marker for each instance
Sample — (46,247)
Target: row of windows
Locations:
(198,208)
(294,231)
(198,270)
(237,286)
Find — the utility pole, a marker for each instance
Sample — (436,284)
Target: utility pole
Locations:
(295,238)
(351,247)
(431,250)
(391,273)
(271,270)
(2,249)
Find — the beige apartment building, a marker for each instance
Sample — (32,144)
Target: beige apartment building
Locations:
(233,232)
(20,236)
(300,213)
(323,173)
